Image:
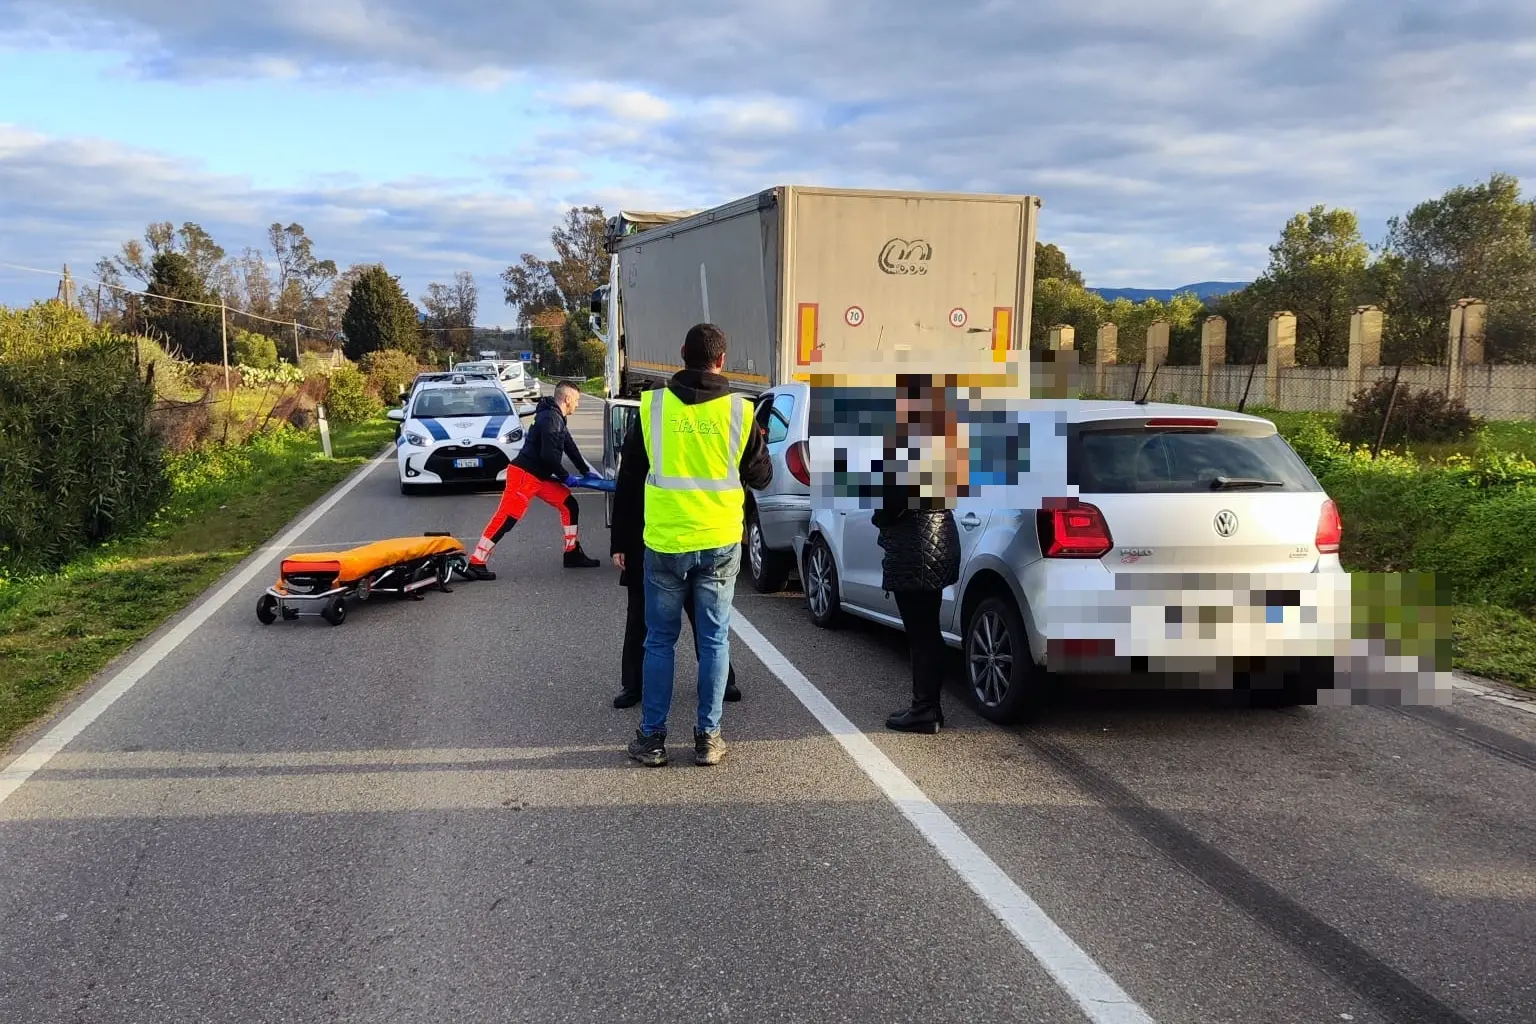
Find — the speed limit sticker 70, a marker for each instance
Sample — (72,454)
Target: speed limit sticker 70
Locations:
(854,316)
(957,317)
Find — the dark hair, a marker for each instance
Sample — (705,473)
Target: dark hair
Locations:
(703,347)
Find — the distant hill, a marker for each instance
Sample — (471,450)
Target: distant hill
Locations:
(1204,289)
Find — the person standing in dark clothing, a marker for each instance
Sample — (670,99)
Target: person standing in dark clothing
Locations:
(922,546)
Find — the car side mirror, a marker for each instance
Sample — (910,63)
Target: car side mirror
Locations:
(398,415)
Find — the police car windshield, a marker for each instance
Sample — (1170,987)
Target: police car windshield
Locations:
(451,403)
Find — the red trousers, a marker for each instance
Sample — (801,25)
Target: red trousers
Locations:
(522,488)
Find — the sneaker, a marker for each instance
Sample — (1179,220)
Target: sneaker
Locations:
(578,559)
(477,571)
(650,751)
(708,748)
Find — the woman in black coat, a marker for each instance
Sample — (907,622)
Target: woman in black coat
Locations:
(922,546)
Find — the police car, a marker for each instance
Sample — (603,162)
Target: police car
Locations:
(462,430)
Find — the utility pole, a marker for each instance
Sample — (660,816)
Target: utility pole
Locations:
(295,343)
(66,293)
(224,335)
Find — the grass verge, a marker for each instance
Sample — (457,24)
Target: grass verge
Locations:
(59,629)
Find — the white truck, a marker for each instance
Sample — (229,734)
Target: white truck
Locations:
(820,281)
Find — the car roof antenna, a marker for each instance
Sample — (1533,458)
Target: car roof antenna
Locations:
(1150,381)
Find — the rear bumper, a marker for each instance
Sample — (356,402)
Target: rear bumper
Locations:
(785,520)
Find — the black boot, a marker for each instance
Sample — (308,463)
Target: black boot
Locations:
(578,559)
(925,718)
(627,699)
(732,694)
(476,571)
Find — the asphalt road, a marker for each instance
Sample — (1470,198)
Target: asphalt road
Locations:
(427,815)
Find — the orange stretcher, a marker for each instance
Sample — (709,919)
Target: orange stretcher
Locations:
(403,566)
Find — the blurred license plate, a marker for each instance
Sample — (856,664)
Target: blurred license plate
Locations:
(466,463)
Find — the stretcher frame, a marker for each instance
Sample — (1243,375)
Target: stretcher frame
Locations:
(405,579)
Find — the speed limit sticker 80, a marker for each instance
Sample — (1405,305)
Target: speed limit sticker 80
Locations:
(957,317)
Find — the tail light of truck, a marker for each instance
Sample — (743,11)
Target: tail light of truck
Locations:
(1330,529)
(798,459)
(1074,530)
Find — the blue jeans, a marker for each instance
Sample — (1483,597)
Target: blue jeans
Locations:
(711,578)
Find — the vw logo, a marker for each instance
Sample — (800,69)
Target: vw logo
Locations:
(1226,523)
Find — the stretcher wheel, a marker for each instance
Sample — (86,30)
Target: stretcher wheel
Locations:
(266,609)
(335,611)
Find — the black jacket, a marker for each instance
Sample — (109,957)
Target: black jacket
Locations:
(693,387)
(921,545)
(547,442)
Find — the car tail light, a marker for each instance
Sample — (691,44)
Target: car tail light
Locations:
(797,458)
(1330,530)
(1073,531)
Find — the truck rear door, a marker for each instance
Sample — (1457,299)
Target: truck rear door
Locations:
(619,415)
(885,281)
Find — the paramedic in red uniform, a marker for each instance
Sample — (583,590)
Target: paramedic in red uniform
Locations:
(538,472)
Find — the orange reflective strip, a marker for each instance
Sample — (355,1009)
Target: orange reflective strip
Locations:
(1002,333)
(807,331)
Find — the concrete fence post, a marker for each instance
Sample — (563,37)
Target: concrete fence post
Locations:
(1062,338)
(1282,353)
(1106,354)
(1468,327)
(1365,325)
(1157,345)
(1213,353)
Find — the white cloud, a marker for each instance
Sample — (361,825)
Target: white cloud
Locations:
(1148,126)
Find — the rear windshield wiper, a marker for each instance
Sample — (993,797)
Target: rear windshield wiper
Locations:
(1231,483)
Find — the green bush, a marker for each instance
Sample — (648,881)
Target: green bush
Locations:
(282,373)
(252,349)
(388,371)
(348,400)
(1416,416)
(81,462)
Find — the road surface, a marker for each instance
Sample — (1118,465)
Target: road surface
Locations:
(427,815)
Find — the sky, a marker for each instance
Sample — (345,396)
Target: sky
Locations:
(1168,139)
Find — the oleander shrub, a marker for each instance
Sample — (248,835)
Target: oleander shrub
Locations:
(81,460)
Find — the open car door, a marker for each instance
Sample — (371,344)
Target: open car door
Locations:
(619,415)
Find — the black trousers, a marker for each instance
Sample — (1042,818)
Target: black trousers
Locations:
(632,660)
(920,618)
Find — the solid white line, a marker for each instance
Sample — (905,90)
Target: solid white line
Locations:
(1088,984)
(60,736)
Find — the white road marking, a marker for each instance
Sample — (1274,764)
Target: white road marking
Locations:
(1487,693)
(1080,977)
(62,734)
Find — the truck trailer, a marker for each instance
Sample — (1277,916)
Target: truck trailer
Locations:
(823,284)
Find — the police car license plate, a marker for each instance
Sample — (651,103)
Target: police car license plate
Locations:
(466,463)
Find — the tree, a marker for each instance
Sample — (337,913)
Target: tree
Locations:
(534,285)
(202,253)
(193,330)
(249,348)
(1051,265)
(1060,301)
(451,307)
(300,276)
(1317,270)
(1475,241)
(379,315)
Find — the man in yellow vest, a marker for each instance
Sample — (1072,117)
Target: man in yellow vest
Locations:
(690,455)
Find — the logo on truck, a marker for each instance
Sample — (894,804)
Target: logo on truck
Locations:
(905,258)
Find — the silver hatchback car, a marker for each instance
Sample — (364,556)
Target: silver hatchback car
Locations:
(1182,541)
(778,516)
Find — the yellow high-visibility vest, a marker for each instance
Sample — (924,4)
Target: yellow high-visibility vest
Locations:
(693,495)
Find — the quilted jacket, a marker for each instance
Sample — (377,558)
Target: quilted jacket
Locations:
(922,548)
